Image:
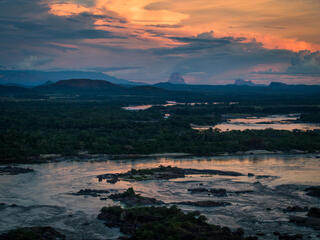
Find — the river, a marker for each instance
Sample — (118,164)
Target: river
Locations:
(45,196)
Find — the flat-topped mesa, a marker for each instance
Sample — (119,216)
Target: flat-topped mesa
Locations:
(162,173)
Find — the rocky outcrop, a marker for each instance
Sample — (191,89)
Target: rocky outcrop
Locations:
(314,212)
(312,219)
(14,170)
(162,173)
(286,236)
(306,221)
(162,223)
(295,209)
(91,192)
(313,191)
(130,198)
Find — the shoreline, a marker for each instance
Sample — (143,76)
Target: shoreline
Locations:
(84,156)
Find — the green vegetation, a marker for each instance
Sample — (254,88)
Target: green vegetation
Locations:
(32,233)
(31,128)
(162,223)
(161,173)
(310,117)
(130,198)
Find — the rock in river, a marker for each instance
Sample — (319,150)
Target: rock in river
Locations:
(162,173)
(314,212)
(130,198)
(295,209)
(313,191)
(14,170)
(91,192)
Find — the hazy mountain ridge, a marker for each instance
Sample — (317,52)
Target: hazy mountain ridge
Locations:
(81,83)
(34,77)
(275,92)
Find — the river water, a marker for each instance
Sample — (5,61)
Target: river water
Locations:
(276,122)
(44,197)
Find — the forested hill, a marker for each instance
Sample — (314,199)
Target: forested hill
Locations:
(274,93)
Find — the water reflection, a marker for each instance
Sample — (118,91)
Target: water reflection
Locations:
(277,122)
(52,184)
(137,108)
(167,104)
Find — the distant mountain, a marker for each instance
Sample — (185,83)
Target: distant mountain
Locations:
(243,90)
(186,87)
(33,78)
(87,88)
(278,84)
(102,88)
(176,78)
(83,83)
(84,86)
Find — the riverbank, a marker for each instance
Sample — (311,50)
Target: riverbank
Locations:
(85,156)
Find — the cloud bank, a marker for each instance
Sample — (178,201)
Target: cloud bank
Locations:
(147,40)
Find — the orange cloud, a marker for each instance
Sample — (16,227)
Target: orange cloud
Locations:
(67,9)
(135,11)
(286,24)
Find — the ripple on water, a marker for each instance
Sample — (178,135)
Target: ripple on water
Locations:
(256,204)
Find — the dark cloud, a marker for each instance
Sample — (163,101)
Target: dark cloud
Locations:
(203,56)
(165,26)
(30,32)
(301,63)
(52,28)
(112,69)
(204,41)
(305,62)
(211,55)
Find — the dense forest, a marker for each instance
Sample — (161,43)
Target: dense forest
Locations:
(30,128)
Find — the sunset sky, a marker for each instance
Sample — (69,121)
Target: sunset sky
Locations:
(207,41)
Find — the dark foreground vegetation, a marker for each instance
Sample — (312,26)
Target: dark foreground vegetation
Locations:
(164,223)
(31,128)
(311,117)
(33,233)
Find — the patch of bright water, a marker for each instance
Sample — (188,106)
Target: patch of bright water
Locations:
(277,122)
(167,104)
